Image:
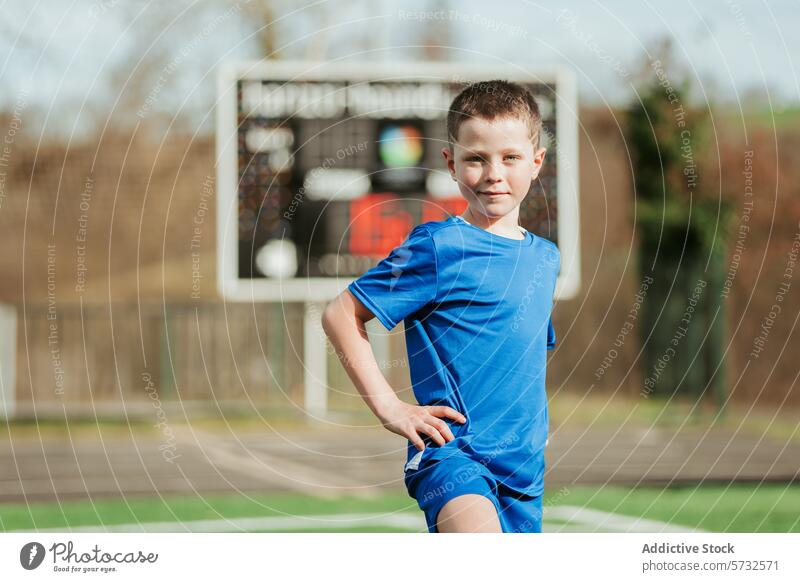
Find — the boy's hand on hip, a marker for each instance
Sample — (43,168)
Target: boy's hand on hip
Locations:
(411,421)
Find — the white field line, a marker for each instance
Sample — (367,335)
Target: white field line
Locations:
(611,522)
(410,521)
(579,519)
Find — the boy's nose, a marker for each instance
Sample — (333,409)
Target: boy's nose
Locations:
(494,173)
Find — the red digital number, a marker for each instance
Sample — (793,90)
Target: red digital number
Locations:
(378,224)
(434,209)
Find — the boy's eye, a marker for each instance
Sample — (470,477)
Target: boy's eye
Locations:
(479,159)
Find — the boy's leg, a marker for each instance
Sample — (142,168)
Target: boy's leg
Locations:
(461,481)
(519,513)
(468,513)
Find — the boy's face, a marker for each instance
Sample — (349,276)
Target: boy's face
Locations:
(494,156)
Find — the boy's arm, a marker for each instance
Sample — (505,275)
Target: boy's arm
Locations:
(344,322)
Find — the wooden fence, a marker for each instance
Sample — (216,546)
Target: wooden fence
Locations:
(117,360)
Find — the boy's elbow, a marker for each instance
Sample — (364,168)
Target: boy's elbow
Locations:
(333,314)
(328,317)
(344,310)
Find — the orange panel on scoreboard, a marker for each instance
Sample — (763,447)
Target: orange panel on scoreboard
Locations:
(442,209)
(378,224)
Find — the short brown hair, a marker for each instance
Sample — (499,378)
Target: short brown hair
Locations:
(490,100)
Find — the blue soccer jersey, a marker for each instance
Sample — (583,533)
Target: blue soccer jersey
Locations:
(477,311)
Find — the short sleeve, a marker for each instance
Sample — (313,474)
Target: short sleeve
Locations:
(403,282)
(551,335)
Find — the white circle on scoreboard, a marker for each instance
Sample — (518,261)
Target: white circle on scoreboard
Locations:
(277,259)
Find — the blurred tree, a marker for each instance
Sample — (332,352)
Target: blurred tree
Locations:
(261,15)
(683,229)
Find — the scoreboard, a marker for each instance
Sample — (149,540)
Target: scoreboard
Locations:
(323,169)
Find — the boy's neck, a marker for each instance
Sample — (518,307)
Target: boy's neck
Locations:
(507,225)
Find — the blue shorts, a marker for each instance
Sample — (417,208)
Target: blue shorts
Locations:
(439,481)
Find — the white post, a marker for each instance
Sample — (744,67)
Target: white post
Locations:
(315,370)
(8,361)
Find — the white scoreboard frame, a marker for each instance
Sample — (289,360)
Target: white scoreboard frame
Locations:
(313,289)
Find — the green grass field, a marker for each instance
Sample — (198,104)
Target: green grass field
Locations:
(739,508)
(717,508)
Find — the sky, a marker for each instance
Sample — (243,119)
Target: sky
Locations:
(71,59)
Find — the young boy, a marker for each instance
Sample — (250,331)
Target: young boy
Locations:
(475,293)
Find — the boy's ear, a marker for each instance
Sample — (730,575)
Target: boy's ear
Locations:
(451,165)
(538,161)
